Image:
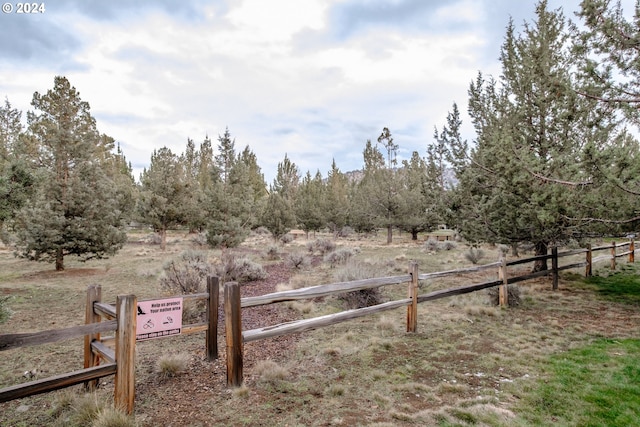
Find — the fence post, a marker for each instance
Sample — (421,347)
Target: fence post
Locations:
(554,267)
(503,290)
(233,329)
(613,255)
(589,268)
(412,309)
(632,249)
(213,287)
(94,294)
(126,317)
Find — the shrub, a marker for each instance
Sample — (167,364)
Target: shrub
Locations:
(261,231)
(365,297)
(431,245)
(474,255)
(171,365)
(513,295)
(273,253)
(323,246)
(153,239)
(297,260)
(286,238)
(345,231)
(232,268)
(340,256)
(448,245)
(200,240)
(186,274)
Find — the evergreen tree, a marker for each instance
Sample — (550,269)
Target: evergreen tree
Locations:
(309,203)
(17,180)
(364,195)
(164,190)
(388,199)
(231,200)
(75,210)
(417,211)
(336,201)
(531,129)
(278,215)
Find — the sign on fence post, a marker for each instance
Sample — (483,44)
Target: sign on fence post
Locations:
(159,318)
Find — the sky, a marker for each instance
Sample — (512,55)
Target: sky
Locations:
(312,79)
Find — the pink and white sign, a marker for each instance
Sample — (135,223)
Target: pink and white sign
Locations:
(159,318)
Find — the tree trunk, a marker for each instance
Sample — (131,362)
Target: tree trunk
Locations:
(59,259)
(414,235)
(389,234)
(163,239)
(541,249)
(514,250)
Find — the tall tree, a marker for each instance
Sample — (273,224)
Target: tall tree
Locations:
(607,47)
(336,201)
(389,202)
(309,203)
(231,200)
(17,180)
(531,128)
(365,194)
(75,211)
(278,215)
(417,211)
(164,189)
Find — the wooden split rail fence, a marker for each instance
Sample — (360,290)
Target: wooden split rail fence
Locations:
(114,355)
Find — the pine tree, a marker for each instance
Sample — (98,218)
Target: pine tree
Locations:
(75,209)
(389,203)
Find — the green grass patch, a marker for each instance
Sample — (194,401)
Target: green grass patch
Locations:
(597,385)
(620,286)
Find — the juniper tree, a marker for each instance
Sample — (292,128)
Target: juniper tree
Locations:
(278,215)
(231,198)
(363,215)
(164,190)
(417,212)
(531,128)
(336,200)
(309,206)
(75,210)
(17,180)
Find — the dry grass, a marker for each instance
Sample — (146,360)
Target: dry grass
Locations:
(462,367)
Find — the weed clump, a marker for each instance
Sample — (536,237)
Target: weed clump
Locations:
(474,255)
(268,370)
(171,365)
(513,295)
(273,253)
(5,312)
